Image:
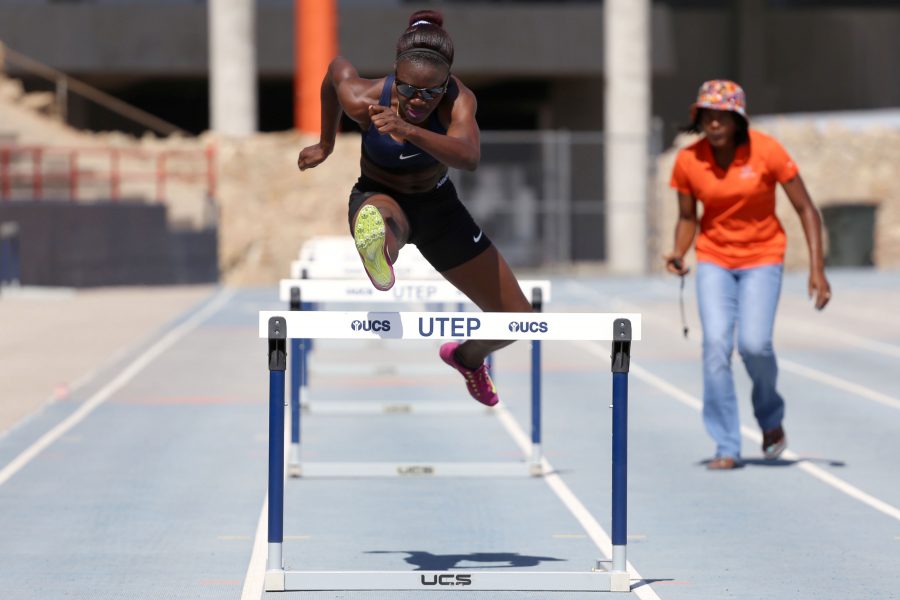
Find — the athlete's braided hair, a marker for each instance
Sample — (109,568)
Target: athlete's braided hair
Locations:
(426,40)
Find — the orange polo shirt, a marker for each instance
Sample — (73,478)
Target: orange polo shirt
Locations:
(738,229)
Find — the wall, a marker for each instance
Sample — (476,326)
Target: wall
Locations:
(148,39)
(268,208)
(789,59)
(794,60)
(839,164)
(107,243)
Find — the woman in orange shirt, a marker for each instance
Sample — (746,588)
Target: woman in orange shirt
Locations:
(733,171)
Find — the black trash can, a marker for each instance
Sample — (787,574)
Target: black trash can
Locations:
(10,265)
(851,234)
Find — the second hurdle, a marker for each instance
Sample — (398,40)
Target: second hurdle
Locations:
(314,292)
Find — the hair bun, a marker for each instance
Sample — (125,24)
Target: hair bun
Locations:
(426,17)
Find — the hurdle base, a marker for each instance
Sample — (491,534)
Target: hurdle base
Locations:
(293,468)
(619,581)
(313,470)
(274,580)
(457,580)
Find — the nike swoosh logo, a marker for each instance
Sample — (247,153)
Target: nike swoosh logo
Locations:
(478,237)
(403,157)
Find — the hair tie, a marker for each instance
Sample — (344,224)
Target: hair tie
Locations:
(421,22)
(428,51)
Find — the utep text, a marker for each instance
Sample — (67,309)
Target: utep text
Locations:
(448,326)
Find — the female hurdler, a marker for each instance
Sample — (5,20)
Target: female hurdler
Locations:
(416,123)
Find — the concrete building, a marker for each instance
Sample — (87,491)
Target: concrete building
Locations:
(532,64)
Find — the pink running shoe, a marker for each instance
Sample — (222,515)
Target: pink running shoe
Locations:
(477,380)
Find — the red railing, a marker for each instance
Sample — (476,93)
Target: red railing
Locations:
(28,172)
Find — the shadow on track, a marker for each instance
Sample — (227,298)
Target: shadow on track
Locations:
(783,462)
(426,561)
(779,462)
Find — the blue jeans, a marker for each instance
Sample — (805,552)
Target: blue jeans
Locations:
(745,299)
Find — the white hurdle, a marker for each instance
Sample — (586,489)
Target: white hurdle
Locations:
(437,291)
(278,326)
(425,291)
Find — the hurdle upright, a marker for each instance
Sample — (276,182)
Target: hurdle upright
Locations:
(621,329)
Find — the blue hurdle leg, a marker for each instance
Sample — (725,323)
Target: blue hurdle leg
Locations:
(537,304)
(277,366)
(307,348)
(294,452)
(621,350)
(620,470)
(296,382)
(536,453)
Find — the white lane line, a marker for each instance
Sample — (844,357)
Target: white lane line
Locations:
(255,578)
(823,331)
(20,461)
(803,371)
(753,435)
(256,570)
(582,514)
(787,365)
(843,384)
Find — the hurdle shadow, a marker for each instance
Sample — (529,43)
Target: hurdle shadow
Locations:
(781,462)
(648,582)
(426,561)
(784,462)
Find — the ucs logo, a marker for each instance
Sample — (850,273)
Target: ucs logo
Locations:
(383,325)
(446,579)
(528,326)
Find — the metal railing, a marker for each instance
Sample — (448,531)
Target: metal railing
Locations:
(109,173)
(64,85)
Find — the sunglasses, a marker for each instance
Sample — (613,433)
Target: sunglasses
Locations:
(408,91)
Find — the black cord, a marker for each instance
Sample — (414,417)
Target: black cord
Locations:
(684,328)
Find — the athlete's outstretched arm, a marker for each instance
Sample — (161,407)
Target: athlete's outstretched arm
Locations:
(342,91)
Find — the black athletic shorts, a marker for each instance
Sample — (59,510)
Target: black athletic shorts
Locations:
(440,226)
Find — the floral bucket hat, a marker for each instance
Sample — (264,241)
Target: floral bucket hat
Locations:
(720,94)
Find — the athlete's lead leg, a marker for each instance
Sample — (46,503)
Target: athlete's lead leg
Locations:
(380,229)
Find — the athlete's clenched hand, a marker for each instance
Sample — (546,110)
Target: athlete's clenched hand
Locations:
(312,156)
(387,121)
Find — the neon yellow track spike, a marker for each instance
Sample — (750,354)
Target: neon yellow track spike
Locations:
(369,235)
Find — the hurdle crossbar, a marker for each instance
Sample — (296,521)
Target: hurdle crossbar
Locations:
(337,257)
(303,269)
(361,325)
(277,327)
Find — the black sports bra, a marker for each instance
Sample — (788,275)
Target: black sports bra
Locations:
(390,154)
